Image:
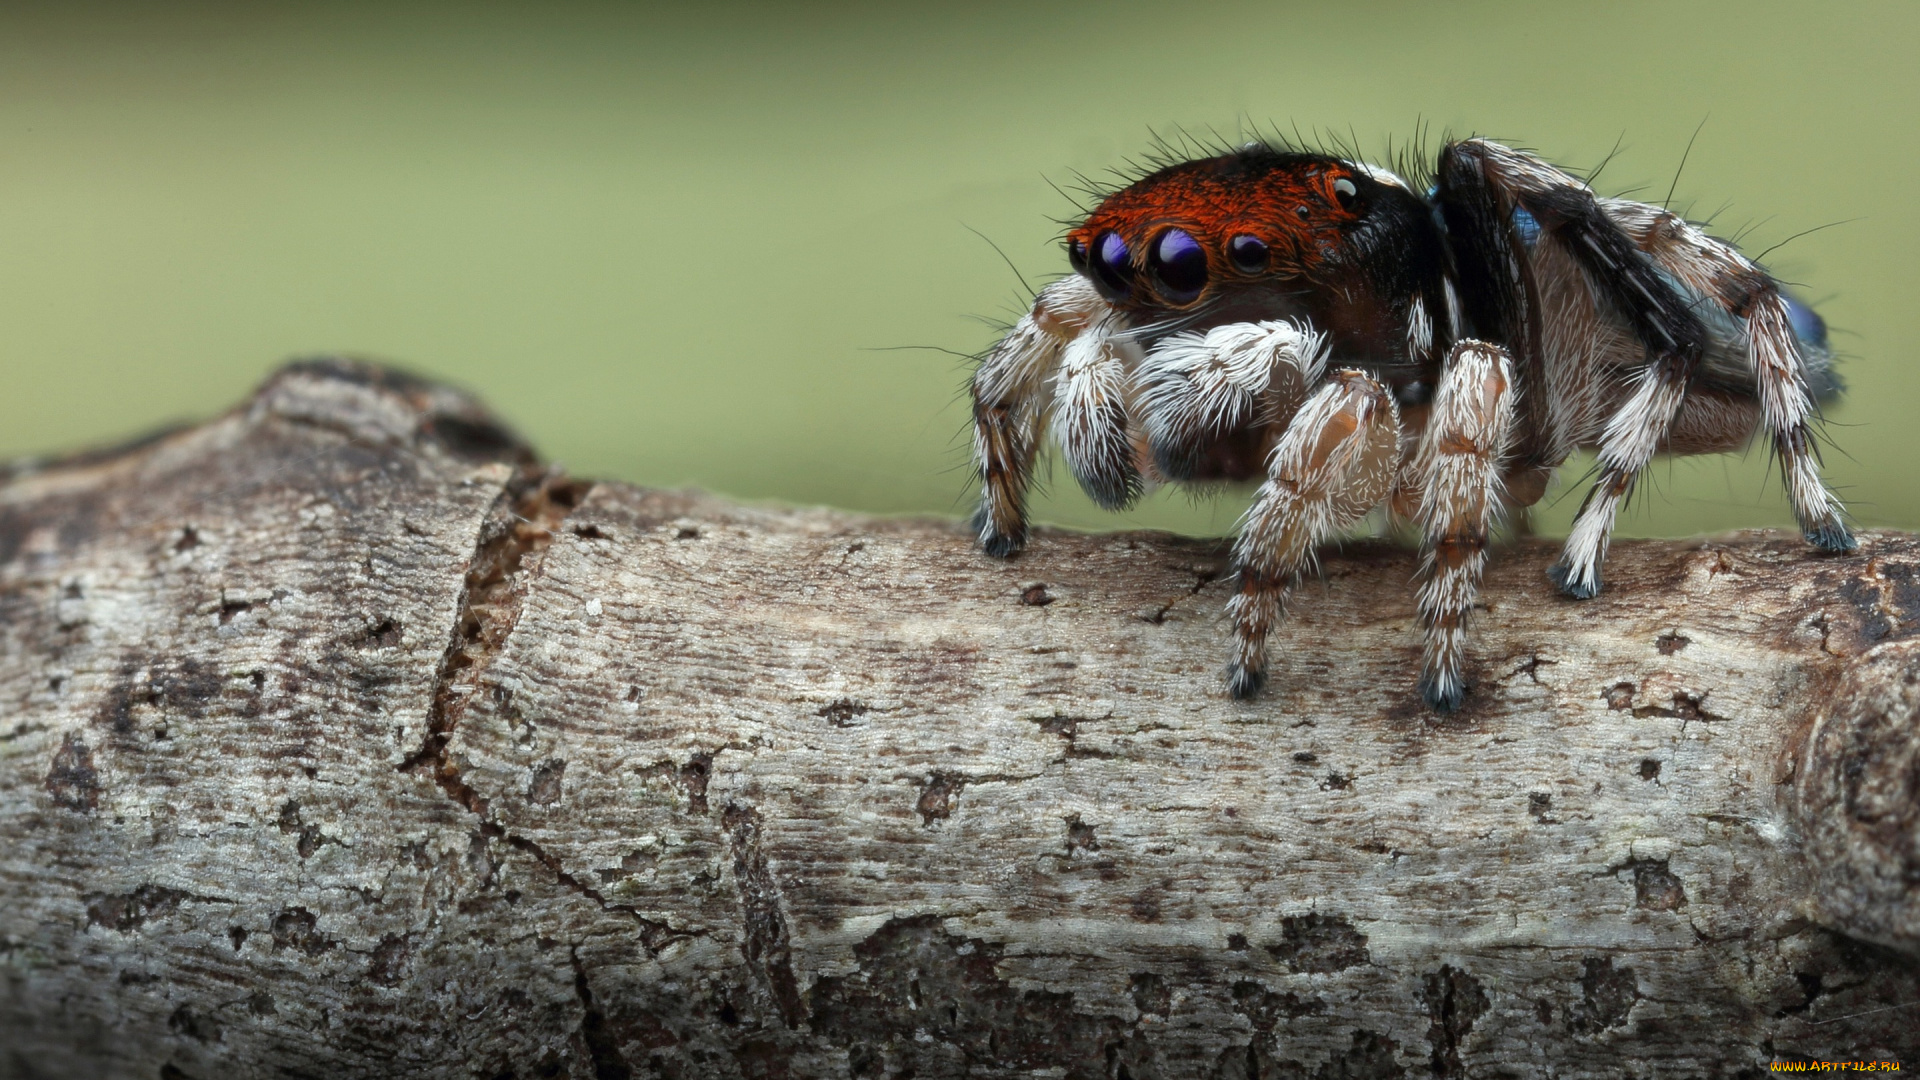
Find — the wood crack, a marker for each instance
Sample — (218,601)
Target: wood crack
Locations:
(653,933)
(768,941)
(602,1048)
(520,528)
(535,504)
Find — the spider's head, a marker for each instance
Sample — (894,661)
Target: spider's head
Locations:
(1256,234)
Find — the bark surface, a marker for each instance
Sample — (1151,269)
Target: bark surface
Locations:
(339,737)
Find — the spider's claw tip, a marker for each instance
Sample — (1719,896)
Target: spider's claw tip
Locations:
(1002,545)
(1831,536)
(1244,683)
(995,542)
(1442,695)
(1576,588)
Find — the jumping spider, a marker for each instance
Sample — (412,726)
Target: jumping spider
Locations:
(1318,321)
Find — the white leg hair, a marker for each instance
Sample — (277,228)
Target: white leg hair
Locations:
(1460,459)
(1632,435)
(1010,405)
(1335,462)
(1419,330)
(1195,387)
(1455,318)
(1520,171)
(1090,414)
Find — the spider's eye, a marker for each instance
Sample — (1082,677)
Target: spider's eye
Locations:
(1179,266)
(1344,190)
(1111,272)
(1077,255)
(1249,253)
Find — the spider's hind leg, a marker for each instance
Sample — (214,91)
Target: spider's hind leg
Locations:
(1775,357)
(1459,463)
(1787,407)
(1010,406)
(1335,462)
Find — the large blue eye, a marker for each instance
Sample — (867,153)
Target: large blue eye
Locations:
(1249,253)
(1179,266)
(1112,275)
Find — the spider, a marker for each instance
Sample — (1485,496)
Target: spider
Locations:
(1319,323)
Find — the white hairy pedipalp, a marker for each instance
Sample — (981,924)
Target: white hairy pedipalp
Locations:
(1193,385)
(1091,392)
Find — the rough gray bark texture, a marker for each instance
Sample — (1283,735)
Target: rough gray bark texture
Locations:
(339,738)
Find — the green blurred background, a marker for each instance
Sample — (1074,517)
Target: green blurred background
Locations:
(680,245)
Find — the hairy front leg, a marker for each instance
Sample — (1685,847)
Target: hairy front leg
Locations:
(1010,404)
(1459,465)
(1335,462)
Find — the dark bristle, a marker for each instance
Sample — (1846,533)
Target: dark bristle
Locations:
(1832,537)
(994,542)
(1244,683)
(1117,492)
(1438,701)
(1411,160)
(1562,576)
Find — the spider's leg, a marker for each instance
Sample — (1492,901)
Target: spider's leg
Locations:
(1335,462)
(1716,271)
(1459,463)
(1090,414)
(1482,184)
(1010,406)
(1197,387)
(1773,350)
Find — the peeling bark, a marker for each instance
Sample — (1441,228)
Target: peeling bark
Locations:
(339,737)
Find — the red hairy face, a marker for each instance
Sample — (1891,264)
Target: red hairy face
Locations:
(1191,230)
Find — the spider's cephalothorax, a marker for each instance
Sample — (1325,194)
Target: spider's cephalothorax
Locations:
(1316,322)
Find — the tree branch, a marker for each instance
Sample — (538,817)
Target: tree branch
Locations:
(340,737)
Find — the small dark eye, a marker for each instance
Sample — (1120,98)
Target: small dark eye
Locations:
(1344,190)
(1077,255)
(1303,212)
(1179,266)
(1112,275)
(1249,253)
